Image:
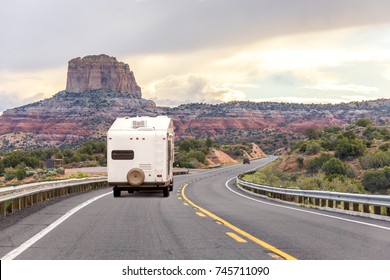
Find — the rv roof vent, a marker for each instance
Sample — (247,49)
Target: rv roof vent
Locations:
(137,124)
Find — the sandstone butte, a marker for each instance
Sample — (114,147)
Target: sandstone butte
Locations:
(100,72)
(98,89)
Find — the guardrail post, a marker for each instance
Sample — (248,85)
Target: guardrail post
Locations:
(3,209)
(330,203)
(388,211)
(355,207)
(346,205)
(16,204)
(366,208)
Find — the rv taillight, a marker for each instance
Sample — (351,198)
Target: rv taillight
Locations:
(109,138)
(131,138)
(159,175)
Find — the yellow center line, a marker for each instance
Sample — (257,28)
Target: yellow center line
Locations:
(200,214)
(236,237)
(238,230)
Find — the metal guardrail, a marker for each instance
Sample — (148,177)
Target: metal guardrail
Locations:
(19,197)
(374,204)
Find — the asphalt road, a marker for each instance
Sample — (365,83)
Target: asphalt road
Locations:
(205,217)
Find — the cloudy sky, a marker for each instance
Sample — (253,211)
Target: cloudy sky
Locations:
(311,51)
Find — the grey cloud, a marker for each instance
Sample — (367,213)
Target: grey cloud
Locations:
(42,34)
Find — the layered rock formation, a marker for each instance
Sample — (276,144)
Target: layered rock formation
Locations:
(100,72)
(100,89)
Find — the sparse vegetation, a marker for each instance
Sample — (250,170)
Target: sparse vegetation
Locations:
(355,158)
(17,165)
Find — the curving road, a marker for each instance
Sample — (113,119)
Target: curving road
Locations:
(205,217)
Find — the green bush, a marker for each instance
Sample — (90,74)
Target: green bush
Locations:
(376,160)
(384,147)
(9,173)
(20,171)
(333,167)
(313,148)
(376,180)
(315,165)
(363,122)
(198,155)
(348,148)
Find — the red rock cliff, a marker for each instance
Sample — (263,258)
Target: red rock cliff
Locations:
(100,72)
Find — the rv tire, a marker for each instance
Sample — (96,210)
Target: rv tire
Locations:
(116,192)
(171,186)
(135,177)
(166,192)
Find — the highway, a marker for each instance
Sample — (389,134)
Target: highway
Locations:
(205,217)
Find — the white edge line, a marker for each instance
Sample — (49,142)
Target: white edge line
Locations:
(17,251)
(302,210)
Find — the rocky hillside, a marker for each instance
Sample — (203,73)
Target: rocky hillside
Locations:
(99,89)
(355,158)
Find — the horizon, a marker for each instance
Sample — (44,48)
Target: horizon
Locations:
(226,102)
(306,52)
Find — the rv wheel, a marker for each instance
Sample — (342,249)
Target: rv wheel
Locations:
(117,192)
(171,186)
(135,177)
(166,192)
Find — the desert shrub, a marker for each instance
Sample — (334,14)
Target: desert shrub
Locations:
(378,159)
(312,133)
(348,148)
(313,148)
(9,173)
(338,183)
(334,166)
(376,180)
(198,155)
(332,129)
(300,160)
(314,165)
(20,171)
(363,122)
(384,147)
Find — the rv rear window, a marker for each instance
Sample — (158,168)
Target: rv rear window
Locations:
(122,154)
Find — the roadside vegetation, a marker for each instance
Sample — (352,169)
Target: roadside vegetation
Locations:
(27,166)
(191,153)
(353,159)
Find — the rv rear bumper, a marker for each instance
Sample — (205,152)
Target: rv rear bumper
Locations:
(145,186)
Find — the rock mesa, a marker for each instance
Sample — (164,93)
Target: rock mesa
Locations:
(100,72)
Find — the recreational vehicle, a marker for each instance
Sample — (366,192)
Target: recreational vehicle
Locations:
(140,154)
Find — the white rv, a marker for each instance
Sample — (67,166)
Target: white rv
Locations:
(140,154)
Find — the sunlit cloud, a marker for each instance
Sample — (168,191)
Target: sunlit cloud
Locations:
(347,87)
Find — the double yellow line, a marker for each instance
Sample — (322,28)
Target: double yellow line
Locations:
(238,230)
